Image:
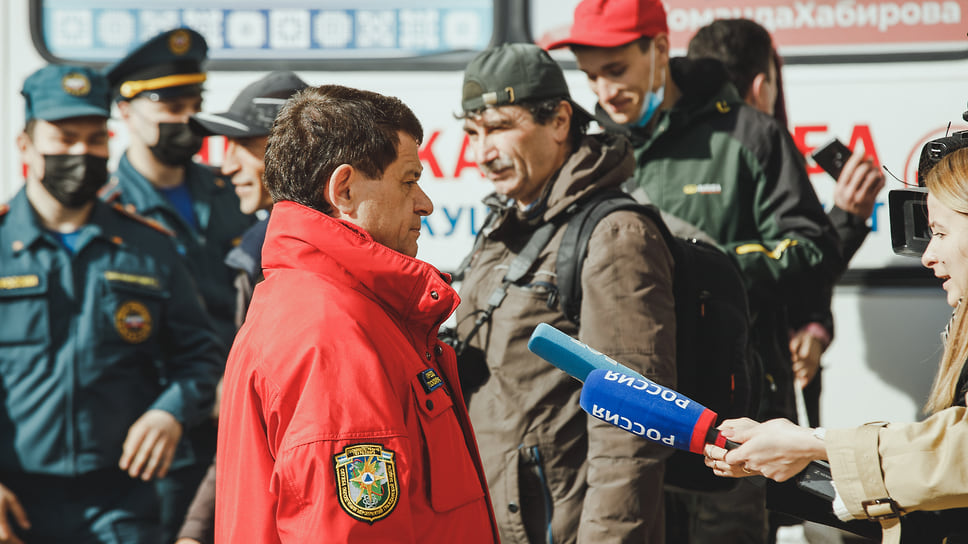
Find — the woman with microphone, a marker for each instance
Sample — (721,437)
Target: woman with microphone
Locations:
(885,472)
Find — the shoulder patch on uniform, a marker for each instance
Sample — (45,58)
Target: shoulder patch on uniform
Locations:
(366,481)
(141,219)
(4,208)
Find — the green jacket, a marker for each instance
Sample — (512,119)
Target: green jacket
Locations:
(89,341)
(736,174)
(222,223)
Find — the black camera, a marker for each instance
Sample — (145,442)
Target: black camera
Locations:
(909,207)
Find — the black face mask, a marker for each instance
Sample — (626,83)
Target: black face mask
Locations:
(176,143)
(73,180)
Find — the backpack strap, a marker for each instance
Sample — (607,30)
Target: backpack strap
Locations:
(519,267)
(492,215)
(574,245)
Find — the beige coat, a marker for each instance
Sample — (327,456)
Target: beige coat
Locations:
(910,467)
(537,445)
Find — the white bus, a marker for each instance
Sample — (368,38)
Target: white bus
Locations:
(885,75)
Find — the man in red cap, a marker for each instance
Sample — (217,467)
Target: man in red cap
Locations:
(705,156)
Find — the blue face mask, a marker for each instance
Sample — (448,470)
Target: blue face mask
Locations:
(653,99)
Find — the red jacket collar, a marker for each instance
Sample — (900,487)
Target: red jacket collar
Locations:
(302,238)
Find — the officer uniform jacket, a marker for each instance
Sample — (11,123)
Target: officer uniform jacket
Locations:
(221,225)
(551,468)
(90,341)
(341,416)
(735,173)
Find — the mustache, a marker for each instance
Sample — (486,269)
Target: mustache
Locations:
(497,164)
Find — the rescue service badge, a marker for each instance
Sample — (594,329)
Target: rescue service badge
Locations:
(133,322)
(366,481)
(179,42)
(76,84)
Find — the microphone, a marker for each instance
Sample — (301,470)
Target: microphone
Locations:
(622,397)
(576,358)
(687,425)
(647,409)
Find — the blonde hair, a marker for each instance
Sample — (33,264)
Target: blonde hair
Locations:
(948,183)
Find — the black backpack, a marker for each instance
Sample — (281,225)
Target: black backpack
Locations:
(714,363)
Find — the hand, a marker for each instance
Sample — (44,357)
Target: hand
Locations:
(805,352)
(716,456)
(777,449)
(218,403)
(858,185)
(10,506)
(184,540)
(150,445)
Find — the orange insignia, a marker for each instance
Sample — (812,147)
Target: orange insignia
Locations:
(4,208)
(128,211)
(179,42)
(117,240)
(219,182)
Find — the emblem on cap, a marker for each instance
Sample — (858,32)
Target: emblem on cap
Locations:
(132,320)
(76,84)
(179,42)
(366,481)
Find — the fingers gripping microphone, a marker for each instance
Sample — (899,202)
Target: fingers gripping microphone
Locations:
(645,408)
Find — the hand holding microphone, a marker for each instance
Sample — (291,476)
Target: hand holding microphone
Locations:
(673,419)
(777,449)
(624,398)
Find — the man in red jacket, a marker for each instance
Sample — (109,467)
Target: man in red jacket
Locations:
(342,418)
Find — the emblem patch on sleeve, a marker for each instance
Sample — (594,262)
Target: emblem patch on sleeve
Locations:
(366,481)
(132,320)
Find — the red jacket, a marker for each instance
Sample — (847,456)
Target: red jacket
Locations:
(341,415)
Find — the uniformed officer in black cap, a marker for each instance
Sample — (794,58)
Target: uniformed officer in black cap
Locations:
(158,86)
(95,305)
(245,126)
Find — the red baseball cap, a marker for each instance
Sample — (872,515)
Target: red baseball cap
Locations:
(611,23)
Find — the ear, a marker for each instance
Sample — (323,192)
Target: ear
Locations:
(661,44)
(23,142)
(341,191)
(29,160)
(561,122)
(124,108)
(756,96)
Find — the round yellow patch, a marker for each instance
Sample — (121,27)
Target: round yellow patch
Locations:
(76,84)
(179,42)
(133,322)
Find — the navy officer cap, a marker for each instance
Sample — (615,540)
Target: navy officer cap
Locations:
(58,91)
(166,66)
(253,111)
